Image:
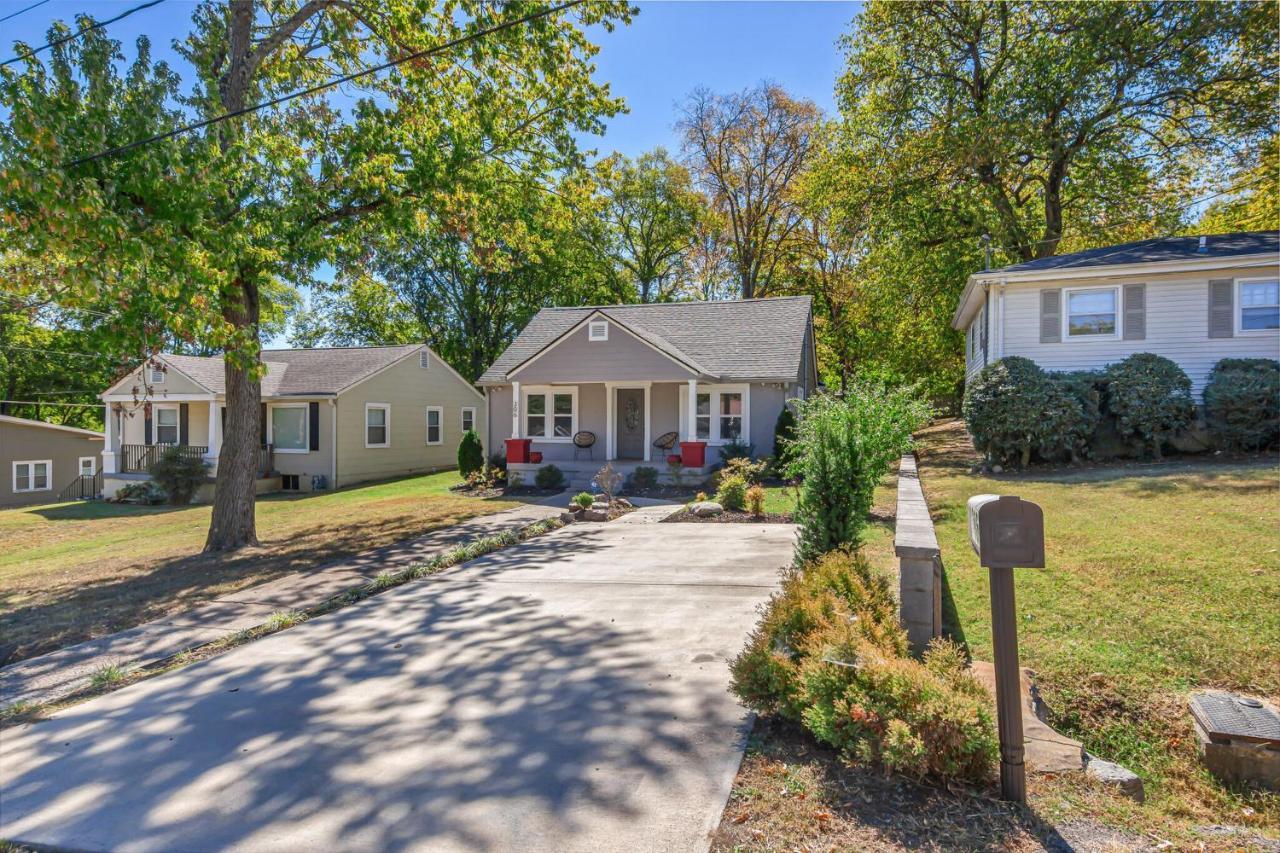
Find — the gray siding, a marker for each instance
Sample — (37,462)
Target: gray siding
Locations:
(1177,327)
(622,358)
(22,443)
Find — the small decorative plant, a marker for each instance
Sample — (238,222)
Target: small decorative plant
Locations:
(470,453)
(732,493)
(644,477)
(700,497)
(736,449)
(549,477)
(745,468)
(755,500)
(179,475)
(584,499)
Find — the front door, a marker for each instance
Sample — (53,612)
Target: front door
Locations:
(630,426)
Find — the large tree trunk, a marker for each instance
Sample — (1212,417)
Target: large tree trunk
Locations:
(232,525)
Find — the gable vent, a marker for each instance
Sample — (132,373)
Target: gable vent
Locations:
(424,358)
(155,375)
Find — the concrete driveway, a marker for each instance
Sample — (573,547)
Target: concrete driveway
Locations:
(566,694)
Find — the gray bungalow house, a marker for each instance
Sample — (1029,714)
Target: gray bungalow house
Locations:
(648,384)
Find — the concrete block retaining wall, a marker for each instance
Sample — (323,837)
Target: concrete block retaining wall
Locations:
(919,560)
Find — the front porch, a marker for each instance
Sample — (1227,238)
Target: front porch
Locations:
(580,472)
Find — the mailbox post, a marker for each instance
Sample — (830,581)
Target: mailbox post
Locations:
(1007,533)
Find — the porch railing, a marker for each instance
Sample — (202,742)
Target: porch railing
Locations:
(82,487)
(138,458)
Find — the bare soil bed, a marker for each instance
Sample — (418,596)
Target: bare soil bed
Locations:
(728,517)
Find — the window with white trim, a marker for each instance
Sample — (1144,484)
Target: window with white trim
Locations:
(377,425)
(551,415)
(1259,303)
(88,466)
(598,330)
(33,476)
(468,418)
(1092,313)
(730,416)
(166,424)
(289,433)
(720,413)
(435,425)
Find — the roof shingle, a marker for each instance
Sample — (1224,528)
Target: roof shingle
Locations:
(1156,250)
(760,339)
(299,372)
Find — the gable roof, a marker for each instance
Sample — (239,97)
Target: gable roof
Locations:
(87,433)
(1157,250)
(1159,254)
(299,372)
(760,339)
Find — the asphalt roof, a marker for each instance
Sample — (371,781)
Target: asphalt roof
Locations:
(296,372)
(730,340)
(1156,250)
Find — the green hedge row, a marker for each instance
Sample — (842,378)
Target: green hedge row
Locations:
(1016,411)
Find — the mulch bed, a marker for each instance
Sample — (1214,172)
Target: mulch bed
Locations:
(729,517)
(462,489)
(531,492)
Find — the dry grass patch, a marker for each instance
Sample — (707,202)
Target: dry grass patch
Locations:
(71,572)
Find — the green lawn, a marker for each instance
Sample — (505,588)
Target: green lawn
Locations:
(69,572)
(1160,578)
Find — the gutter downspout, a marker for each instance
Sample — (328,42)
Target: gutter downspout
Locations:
(333,439)
(1000,320)
(986,321)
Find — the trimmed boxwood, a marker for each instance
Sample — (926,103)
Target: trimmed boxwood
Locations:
(1242,403)
(1004,409)
(1072,416)
(1150,398)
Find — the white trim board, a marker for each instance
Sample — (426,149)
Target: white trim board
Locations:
(695,369)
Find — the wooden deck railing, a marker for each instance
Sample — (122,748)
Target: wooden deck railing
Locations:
(138,458)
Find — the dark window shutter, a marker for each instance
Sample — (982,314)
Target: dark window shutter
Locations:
(1135,312)
(313,419)
(1222,321)
(146,430)
(1051,316)
(184,423)
(982,317)
(262,424)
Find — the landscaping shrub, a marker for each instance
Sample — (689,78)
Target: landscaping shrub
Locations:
(732,493)
(744,467)
(644,477)
(1003,407)
(836,596)
(755,499)
(549,477)
(1150,398)
(498,462)
(1075,435)
(179,475)
(1242,403)
(784,435)
(584,499)
(844,448)
(736,449)
(470,453)
(923,719)
(607,481)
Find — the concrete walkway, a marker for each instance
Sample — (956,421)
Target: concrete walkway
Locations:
(60,673)
(565,694)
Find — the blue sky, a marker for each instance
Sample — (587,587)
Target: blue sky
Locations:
(670,49)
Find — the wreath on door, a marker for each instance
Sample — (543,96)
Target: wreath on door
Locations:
(632,416)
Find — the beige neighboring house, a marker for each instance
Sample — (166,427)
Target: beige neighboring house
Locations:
(330,417)
(42,462)
(1194,300)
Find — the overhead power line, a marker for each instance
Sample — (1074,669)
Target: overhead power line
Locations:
(47,403)
(337,81)
(20,11)
(54,352)
(72,36)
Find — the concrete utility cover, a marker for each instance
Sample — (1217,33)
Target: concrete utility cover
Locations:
(567,694)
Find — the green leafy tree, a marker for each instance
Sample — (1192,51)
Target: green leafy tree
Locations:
(648,216)
(193,231)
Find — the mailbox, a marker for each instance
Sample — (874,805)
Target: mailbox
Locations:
(1006,531)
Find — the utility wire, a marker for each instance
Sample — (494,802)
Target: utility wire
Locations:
(47,403)
(54,351)
(71,36)
(20,11)
(320,87)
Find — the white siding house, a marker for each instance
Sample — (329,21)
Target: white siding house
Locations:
(1192,300)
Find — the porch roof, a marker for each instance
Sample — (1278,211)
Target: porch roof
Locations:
(754,339)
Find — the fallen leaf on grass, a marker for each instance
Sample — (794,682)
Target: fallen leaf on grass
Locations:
(742,817)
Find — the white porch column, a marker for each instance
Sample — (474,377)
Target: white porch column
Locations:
(648,419)
(109,445)
(215,436)
(515,409)
(691,424)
